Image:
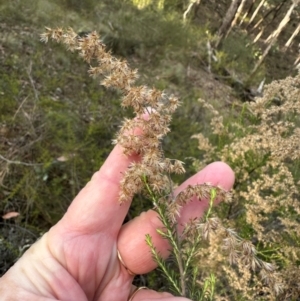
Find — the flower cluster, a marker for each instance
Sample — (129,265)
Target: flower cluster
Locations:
(153,109)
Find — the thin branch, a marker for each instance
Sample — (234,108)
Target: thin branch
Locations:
(28,71)
(20,106)
(180,266)
(19,162)
(21,228)
(192,2)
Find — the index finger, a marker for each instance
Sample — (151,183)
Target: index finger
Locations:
(97,204)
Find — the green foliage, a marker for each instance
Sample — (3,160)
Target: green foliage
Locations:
(240,54)
(183,273)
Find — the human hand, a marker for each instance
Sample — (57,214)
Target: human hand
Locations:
(77,259)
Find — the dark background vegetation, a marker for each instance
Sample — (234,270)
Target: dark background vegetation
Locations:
(57,123)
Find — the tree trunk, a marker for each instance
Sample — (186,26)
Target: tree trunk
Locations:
(276,9)
(247,12)
(290,40)
(237,15)
(191,4)
(262,58)
(259,35)
(282,24)
(273,37)
(229,16)
(296,63)
(256,11)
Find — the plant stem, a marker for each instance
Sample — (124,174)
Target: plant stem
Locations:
(213,194)
(173,237)
(161,264)
(180,266)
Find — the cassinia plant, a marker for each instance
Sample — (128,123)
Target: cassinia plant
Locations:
(262,146)
(151,175)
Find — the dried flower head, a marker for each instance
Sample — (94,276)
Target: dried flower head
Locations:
(153,109)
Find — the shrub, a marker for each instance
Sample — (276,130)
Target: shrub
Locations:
(262,146)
